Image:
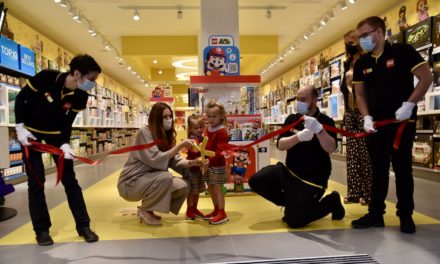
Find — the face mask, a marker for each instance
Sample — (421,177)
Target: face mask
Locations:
(167,123)
(302,108)
(87,85)
(367,43)
(352,50)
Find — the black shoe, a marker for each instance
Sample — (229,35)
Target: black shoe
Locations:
(44,239)
(407,225)
(88,234)
(367,221)
(338,211)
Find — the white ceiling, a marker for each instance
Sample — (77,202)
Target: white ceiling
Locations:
(160,19)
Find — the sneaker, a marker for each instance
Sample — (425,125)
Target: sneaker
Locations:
(338,211)
(190,214)
(367,221)
(198,213)
(221,217)
(407,225)
(44,239)
(211,215)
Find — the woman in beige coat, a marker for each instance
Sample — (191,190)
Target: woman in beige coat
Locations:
(145,176)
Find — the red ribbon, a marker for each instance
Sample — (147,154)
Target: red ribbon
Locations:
(46,148)
(377,124)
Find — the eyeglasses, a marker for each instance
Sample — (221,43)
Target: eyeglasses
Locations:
(367,33)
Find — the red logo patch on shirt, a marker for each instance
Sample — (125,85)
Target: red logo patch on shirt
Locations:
(67,106)
(390,63)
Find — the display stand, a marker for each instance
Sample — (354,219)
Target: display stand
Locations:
(237,94)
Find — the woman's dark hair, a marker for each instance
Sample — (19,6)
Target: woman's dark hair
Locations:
(155,123)
(84,63)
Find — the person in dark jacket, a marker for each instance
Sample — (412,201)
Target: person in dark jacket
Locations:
(45,109)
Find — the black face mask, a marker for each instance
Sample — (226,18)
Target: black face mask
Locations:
(352,50)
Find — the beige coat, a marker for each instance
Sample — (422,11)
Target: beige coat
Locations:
(145,177)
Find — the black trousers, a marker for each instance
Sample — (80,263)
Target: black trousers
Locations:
(302,202)
(380,146)
(37,199)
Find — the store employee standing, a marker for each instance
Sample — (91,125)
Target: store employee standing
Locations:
(44,110)
(384,85)
(300,184)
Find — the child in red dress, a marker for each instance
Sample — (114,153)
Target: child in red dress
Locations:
(216,175)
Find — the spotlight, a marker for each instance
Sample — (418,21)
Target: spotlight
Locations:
(107,46)
(179,14)
(92,31)
(268,14)
(155,61)
(56,1)
(136,15)
(352,2)
(63,3)
(323,21)
(343,5)
(306,36)
(160,72)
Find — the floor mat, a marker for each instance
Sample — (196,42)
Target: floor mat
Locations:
(351,259)
(115,219)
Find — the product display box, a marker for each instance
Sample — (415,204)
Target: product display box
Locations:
(437,155)
(397,38)
(436,31)
(422,151)
(420,34)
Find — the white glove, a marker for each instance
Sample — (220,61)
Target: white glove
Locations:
(305,135)
(368,124)
(312,124)
(405,111)
(68,152)
(23,134)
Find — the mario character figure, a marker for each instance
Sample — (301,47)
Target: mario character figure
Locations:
(215,61)
(157,92)
(239,167)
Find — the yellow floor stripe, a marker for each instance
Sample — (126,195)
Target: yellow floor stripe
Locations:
(115,219)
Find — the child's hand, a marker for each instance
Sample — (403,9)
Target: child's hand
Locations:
(187,143)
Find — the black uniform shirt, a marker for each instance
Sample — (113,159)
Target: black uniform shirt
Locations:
(388,79)
(308,159)
(45,106)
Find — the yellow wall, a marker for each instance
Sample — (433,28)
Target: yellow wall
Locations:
(338,47)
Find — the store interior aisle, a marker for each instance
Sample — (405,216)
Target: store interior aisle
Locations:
(254,231)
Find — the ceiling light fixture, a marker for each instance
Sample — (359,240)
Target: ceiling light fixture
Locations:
(352,2)
(56,1)
(136,16)
(344,5)
(306,36)
(107,46)
(179,14)
(268,14)
(160,72)
(323,21)
(63,3)
(155,61)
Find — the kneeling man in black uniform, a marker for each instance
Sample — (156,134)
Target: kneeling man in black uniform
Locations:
(45,110)
(300,184)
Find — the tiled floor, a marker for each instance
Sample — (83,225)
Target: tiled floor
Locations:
(254,231)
